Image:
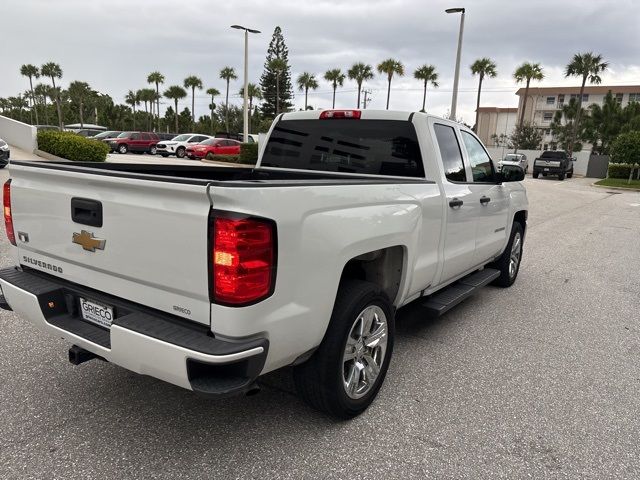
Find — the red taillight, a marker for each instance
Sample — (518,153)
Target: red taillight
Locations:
(354,114)
(243,260)
(8,219)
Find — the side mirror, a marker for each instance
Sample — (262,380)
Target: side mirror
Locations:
(573,159)
(511,173)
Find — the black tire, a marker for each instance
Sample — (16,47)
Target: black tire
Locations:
(507,278)
(123,148)
(544,174)
(320,380)
(561,176)
(180,152)
(164,155)
(153,150)
(536,174)
(570,174)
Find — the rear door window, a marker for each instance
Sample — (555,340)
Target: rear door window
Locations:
(450,153)
(373,147)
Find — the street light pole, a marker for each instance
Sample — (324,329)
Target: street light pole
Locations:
(245,135)
(454,97)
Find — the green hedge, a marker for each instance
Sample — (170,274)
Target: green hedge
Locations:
(249,153)
(621,170)
(72,146)
(223,158)
(626,148)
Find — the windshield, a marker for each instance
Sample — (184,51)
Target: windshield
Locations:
(511,158)
(554,155)
(181,138)
(124,135)
(374,147)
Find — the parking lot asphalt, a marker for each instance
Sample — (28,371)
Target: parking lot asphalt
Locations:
(541,380)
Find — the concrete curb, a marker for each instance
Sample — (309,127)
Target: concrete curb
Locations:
(622,189)
(48,156)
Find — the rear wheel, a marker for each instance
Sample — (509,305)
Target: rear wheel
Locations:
(570,174)
(153,150)
(180,152)
(122,148)
(509,261)
(345,373)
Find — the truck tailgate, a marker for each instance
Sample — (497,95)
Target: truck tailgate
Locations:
(155,236)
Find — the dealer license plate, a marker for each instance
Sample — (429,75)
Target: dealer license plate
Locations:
(95,312)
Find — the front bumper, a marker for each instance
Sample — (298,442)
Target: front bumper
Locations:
(140,339)
(165,149)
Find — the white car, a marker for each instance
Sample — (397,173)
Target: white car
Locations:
(208,277)
(518,159)
(178,145)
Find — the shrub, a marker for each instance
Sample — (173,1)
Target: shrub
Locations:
(223,158)
(72,147)
(249,153)
(626,148)
(621,170)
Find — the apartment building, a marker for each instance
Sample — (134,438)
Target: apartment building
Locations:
(542,104)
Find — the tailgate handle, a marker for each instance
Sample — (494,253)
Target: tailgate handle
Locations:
(86,211)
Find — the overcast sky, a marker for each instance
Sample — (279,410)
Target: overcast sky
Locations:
(114,44)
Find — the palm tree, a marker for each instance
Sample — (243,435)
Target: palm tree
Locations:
(193,82)
(278,66)
(253,91)
(588,66)
(157,78)
(175,92)
(78,92)
(390,66)
(307,81)
(483,67)
(53,71)
(360,72)
(525,73)
(31,71)
(42,91)
(148,97)
(227,74)
(336,77)
(214,93)
(428,74)
(133,98)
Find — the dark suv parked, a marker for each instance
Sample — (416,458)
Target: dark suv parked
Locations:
(554,162)
(137,142)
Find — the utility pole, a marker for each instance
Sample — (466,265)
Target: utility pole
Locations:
(364,102)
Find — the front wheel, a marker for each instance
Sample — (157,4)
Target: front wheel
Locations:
(345,373)
(561,176)
(180,152)
(509,261)
(535,174)
(570,174)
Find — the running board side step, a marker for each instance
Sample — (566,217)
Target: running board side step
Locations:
(444,300)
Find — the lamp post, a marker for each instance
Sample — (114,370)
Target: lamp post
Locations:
(454,97)
(246,78)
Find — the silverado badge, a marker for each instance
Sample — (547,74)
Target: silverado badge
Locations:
(88,241)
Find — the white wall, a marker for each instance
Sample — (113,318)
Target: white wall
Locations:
(579,167)
(18,134)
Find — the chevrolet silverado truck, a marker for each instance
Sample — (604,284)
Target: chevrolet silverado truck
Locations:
(553,162)
(208,277)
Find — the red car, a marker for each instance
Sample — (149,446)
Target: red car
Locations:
(215,146)
(137,142)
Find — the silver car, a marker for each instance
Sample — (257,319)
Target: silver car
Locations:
(519,159)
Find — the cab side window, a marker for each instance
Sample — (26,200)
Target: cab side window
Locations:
(481,166)
(450,153)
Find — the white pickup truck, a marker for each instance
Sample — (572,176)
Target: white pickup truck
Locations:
(208,277)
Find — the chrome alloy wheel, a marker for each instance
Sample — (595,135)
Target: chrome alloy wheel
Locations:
(516,254)
(364,352)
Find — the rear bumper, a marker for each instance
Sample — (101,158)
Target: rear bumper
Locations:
(142,340)
(549,170)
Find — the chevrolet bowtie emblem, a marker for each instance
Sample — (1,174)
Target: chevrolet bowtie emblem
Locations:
(88,241)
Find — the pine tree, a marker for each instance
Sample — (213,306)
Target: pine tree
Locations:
(277,49)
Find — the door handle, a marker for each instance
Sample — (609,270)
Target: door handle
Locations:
(86,211)
(484,200)
(455,202)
